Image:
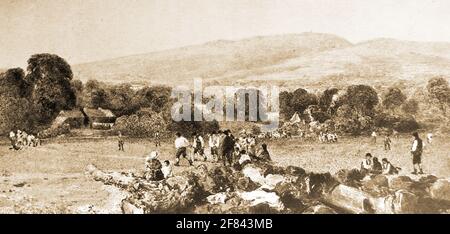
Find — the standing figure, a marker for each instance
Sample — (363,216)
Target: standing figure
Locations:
(227,148)
(120,141)
(213,143)
(181,144)
(387,143)
(416,151)
(374,137)
(157,138)
(199,146)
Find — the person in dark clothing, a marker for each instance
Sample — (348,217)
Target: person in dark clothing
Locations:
(416,151)
(227,148)
(376,166)
(264,154)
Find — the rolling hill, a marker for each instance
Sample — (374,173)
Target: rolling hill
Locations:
(303,59)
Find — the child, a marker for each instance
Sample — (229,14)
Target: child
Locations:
(387,143)
(167,169)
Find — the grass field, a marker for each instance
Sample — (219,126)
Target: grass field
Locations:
(50,178)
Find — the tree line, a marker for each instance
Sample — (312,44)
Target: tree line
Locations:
(31,100)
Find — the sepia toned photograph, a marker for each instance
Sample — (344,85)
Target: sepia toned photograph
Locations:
(224,107)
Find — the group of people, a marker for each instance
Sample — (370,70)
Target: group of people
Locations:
(371,164)
(155,170)
(21,139)
(223,147)
(326,137)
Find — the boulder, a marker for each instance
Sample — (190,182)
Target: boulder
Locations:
(405,202)
(218,198)
(400,182)
(260,196)
(351,177)
(291,195)
(440,190)
(245,184)
(378,185)
(320,209)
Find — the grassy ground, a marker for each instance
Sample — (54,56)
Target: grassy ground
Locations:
(50,178)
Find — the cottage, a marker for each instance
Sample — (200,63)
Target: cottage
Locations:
(75,118)
(99,118)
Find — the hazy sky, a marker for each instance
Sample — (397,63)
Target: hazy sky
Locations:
(88,30)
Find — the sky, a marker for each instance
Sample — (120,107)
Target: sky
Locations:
(89,30)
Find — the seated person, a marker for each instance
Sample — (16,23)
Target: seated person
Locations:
(244,157)
(366,164)
(388,168)
(264,154)
(167,169)
(153,167)
(376,166)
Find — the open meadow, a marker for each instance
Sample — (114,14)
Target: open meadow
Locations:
(51,178)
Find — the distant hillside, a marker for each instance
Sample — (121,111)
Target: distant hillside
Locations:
(210,60)
(303,59)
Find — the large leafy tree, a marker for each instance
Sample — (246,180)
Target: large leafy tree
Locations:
(361,98)
(15,107)
(439,92)
(393,98)
(50,76)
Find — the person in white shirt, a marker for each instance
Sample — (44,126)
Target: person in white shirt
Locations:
(199,146)
(374,137)
(367,164)
(181,144)
(167,169)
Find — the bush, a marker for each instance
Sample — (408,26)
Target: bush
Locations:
(141,124)
(406,124)
(55,131)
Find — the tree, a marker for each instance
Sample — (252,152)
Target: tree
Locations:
(411,107)
(326,98)
(439,91)
(362,98)
(301,99)
(50,75)
(15,108)
(394,98)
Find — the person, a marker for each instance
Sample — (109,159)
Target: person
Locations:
(153,167)
(157,139)
(12,138)
(236,155)
(251,145)
(429,138)
(374,137)
(198,144)
(227,148)
(376,166)
(366,164)
(264,154)
(120,141)
(244,157)
(220,138)
(387,143)
(167,169)
(181,144)
(213,143)
(416,151)
(388,168)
